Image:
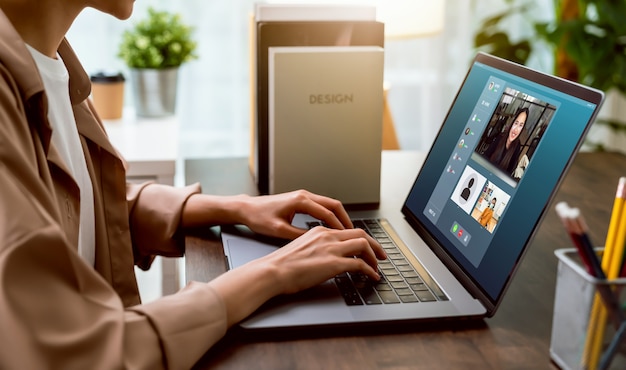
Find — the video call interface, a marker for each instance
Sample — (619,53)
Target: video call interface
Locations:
(490,158)
(507,141)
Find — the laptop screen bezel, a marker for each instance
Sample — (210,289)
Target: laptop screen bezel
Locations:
(552,82)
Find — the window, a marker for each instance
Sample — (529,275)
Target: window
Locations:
(214,92)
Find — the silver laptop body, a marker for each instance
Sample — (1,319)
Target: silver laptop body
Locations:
(435,214)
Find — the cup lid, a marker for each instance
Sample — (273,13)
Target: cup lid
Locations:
(107,77)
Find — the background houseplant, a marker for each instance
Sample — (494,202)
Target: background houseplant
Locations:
(154,49)
(588,39)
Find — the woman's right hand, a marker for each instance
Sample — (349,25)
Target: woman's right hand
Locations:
(322,253)
(309,260)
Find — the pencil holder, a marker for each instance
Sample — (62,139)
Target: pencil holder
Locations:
(576,322)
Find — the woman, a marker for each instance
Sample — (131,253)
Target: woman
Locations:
(71,229)
(505,150)
(487,213)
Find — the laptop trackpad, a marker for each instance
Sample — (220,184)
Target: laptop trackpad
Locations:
(324,303)
(242,250)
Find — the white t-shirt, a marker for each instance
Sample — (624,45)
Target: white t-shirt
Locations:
(65,138)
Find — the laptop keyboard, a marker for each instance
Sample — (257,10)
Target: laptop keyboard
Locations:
(400,282)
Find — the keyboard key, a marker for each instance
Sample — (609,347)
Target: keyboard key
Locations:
(359,278)
(406,268)
(408,298)
(425,296)
(361,225)
(404,291)
(369,295)
(401,262)
(382,286)
(389,297)
(348,292)
(418,286)
(409,274)
(394,278)
(414,280)
(389,271)
(399,284)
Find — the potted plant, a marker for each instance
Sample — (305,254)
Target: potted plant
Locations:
(588,39)
(154,49)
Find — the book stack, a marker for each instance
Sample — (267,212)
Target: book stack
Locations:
(317,75)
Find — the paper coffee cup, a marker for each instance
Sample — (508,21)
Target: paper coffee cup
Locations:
(107,93)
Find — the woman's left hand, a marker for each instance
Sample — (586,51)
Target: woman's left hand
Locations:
(272,214)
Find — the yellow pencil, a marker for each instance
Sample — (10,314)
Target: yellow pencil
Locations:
(611,263)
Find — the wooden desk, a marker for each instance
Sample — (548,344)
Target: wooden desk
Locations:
(517,337)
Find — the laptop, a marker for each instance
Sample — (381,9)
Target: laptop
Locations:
(455,239)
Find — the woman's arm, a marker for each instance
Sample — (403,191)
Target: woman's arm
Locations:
(269,215)
(312,258)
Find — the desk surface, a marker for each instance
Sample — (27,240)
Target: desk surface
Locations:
(149,145)
(518,336)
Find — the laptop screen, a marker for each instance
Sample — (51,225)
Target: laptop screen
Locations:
(499,157)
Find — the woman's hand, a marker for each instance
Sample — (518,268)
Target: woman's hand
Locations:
(269,215)
(272,214)
(309,260)
(321,254)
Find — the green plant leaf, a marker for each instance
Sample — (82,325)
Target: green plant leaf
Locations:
(162,40)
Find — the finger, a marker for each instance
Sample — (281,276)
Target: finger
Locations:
(329,210)
(358,265)
(378,249)
(321,213)
(292,232)
(337,208)
(361,248)
(355,242)
(375,246)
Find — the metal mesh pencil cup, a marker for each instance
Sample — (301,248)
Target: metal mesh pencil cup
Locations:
(574,298)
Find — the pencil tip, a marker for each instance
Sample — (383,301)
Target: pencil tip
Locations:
(621,188)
